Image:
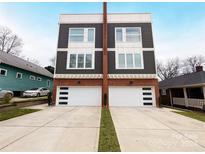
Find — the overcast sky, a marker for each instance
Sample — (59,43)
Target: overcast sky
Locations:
(179,28)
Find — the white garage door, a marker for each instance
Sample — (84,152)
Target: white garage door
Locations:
(131,96)
(79,96)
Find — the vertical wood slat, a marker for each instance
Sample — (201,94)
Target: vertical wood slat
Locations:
(105,59)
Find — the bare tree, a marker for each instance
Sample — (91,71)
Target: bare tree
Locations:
(190,63)
(169,69)
(9,42)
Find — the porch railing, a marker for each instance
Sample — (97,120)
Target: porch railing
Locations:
(189,102)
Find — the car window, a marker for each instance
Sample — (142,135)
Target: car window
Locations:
(45,89)
(34,89)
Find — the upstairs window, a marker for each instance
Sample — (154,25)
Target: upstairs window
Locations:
(78,35)
(80,61)
(128,34)
(129,61)
(3,72)
(31,77)
(19,75)
(39,79)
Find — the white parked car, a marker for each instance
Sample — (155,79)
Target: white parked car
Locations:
(6,93)
(36,92)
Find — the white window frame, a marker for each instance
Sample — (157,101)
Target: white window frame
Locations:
(85,35)
(48,81)
(80,52)
(18,74)
(128,52)
(163,92)
(34,78)
(124,35)
(39,79)
(3,70)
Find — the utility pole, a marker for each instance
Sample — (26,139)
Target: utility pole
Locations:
(105,97)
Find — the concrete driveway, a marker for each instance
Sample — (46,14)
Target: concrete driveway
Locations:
(52,129)
(153,129)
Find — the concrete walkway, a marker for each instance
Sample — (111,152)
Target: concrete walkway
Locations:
(52,129)
(153,129)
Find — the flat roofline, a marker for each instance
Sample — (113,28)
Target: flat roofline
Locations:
(101,13)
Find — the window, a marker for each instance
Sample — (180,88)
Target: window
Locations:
(3,72)
(163,92)
(81,35)
(119,35)
(31,77)
(48,83)
(19,75)
(80,61)
(129,60)
(39,79)
(90,35)
(128,34)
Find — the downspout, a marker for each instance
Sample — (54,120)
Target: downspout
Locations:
(105,98)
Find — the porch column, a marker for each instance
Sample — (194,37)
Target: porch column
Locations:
(204,91)
(170,97)
(185,97)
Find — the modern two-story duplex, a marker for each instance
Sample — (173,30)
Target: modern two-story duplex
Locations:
(105,59)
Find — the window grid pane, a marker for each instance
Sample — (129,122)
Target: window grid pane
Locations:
(72,61)
(88,61)
(90,35)
(76,31)
(80,60)
(129,58)
(121,60)
(76,35)
(137,59)
(133,34)
(119,36)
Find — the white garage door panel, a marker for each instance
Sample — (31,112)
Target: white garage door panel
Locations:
(131,96)
(82,96)
(85,96)
(125,96)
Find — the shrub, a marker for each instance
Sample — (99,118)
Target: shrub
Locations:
(6,99)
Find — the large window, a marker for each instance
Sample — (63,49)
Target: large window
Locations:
(128,34)
(3,72)
(132,60)
(80,61)
(81,35)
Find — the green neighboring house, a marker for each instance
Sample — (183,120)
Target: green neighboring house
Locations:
(18,75)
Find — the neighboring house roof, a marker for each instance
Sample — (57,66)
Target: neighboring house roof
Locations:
(195,78)
(23,64)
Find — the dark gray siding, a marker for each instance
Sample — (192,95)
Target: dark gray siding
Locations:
(62,61)
(147,39)
(149,65)
(64,32)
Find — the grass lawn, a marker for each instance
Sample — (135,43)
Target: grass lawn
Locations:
(192,114)
(15,113)
(108,141)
